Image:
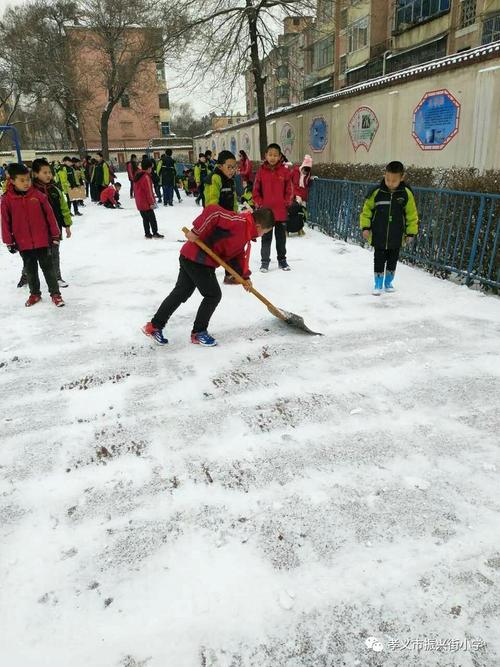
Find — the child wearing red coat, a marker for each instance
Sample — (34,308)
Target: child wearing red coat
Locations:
(229,235)
(110,196)
(145,199)
(29,225)
(273,188)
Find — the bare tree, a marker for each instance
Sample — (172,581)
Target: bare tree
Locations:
(233,36)
(125,40)
(35,37)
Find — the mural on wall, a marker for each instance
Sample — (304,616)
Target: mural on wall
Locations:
(436,120)
(214,147)
(233,148)
(287,139)
(363,127)
(247,145)
(318,134)
(223,144)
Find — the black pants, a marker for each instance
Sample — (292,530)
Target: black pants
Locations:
(42,257)
(382,257)
(280,236)
(56,260)
(87,188)
(95,191)
(168,194)
(177,193)
(75,204)
(149,222)
(191,276)
(201,194)
(131,189)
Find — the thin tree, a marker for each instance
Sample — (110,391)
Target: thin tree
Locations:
(233,36)
(125,40)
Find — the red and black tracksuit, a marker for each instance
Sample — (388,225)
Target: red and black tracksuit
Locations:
(229,235)
(29,225)
(145,201)
(273,189)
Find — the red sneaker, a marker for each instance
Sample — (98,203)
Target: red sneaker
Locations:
(57,300)
(33,298)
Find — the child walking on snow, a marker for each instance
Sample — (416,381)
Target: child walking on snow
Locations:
(229,235)
(273,188)
(145,199)
(389,218)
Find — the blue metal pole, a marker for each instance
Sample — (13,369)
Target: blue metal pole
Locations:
(15,135)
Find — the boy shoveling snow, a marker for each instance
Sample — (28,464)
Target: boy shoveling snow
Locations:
(229,235)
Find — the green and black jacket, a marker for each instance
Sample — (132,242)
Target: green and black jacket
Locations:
(57,201)
(221,190)
(390,216)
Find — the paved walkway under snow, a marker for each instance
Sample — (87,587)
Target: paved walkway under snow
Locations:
(278,501)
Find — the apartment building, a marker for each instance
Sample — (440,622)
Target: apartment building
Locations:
(351,41)
(422,30)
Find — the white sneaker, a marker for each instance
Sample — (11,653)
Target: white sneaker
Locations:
(62,283)
(264,268)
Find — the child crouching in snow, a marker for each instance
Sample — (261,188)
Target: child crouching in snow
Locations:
(229,235)
(110,196)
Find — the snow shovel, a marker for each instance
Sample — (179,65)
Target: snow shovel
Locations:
(289,318)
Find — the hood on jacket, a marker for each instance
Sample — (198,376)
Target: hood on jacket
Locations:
(139,174)
(306,162)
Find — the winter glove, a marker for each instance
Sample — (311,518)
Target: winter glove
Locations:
(12,249)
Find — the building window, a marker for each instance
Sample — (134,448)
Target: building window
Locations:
(409,12)
(164,101)
(282,72)
(125,100)
(491,29)
(296,21)
(418,56)
(283,91)
(327,9)
(344,13)
(467,13)
(323,52)
(160,72)
(358,34)
(165,129)
(343,64)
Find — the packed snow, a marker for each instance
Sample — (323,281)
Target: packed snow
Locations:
(280,500)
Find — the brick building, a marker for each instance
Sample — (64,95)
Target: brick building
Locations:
(142,112)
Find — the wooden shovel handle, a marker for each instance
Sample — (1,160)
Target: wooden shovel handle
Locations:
(275,311)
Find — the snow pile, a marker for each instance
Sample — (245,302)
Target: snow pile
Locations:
(280,500)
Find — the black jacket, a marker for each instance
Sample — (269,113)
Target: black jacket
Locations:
(166,170)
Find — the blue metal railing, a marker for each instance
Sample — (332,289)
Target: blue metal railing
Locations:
(459,232)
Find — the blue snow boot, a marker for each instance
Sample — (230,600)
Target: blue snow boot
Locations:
(389,277)
(379,284)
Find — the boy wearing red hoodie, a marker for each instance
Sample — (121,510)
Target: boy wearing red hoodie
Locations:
(273,188)
(145,199)
(29,225)
(110,196)
(229,235)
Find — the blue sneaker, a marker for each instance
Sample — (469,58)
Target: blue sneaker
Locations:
(379,284)
(203,338)
(389,277)
(157,334)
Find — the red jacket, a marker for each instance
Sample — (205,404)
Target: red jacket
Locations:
(246,170)
(273,189)
(143,191)
(301,191)
(132,168)
(109,195)
(228,234)
(28,220)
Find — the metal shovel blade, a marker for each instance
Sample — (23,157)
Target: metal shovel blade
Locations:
(296,321)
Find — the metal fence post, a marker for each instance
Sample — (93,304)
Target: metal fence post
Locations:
(473,252)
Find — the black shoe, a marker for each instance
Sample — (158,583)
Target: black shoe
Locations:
(148,236)
(78,213)
(23,281)
(158,236)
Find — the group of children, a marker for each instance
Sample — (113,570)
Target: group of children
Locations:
(36,210)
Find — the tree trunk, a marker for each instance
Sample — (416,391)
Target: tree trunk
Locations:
(104,134)
(259,81)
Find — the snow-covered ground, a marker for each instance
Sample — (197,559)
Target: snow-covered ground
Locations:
(280,500)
